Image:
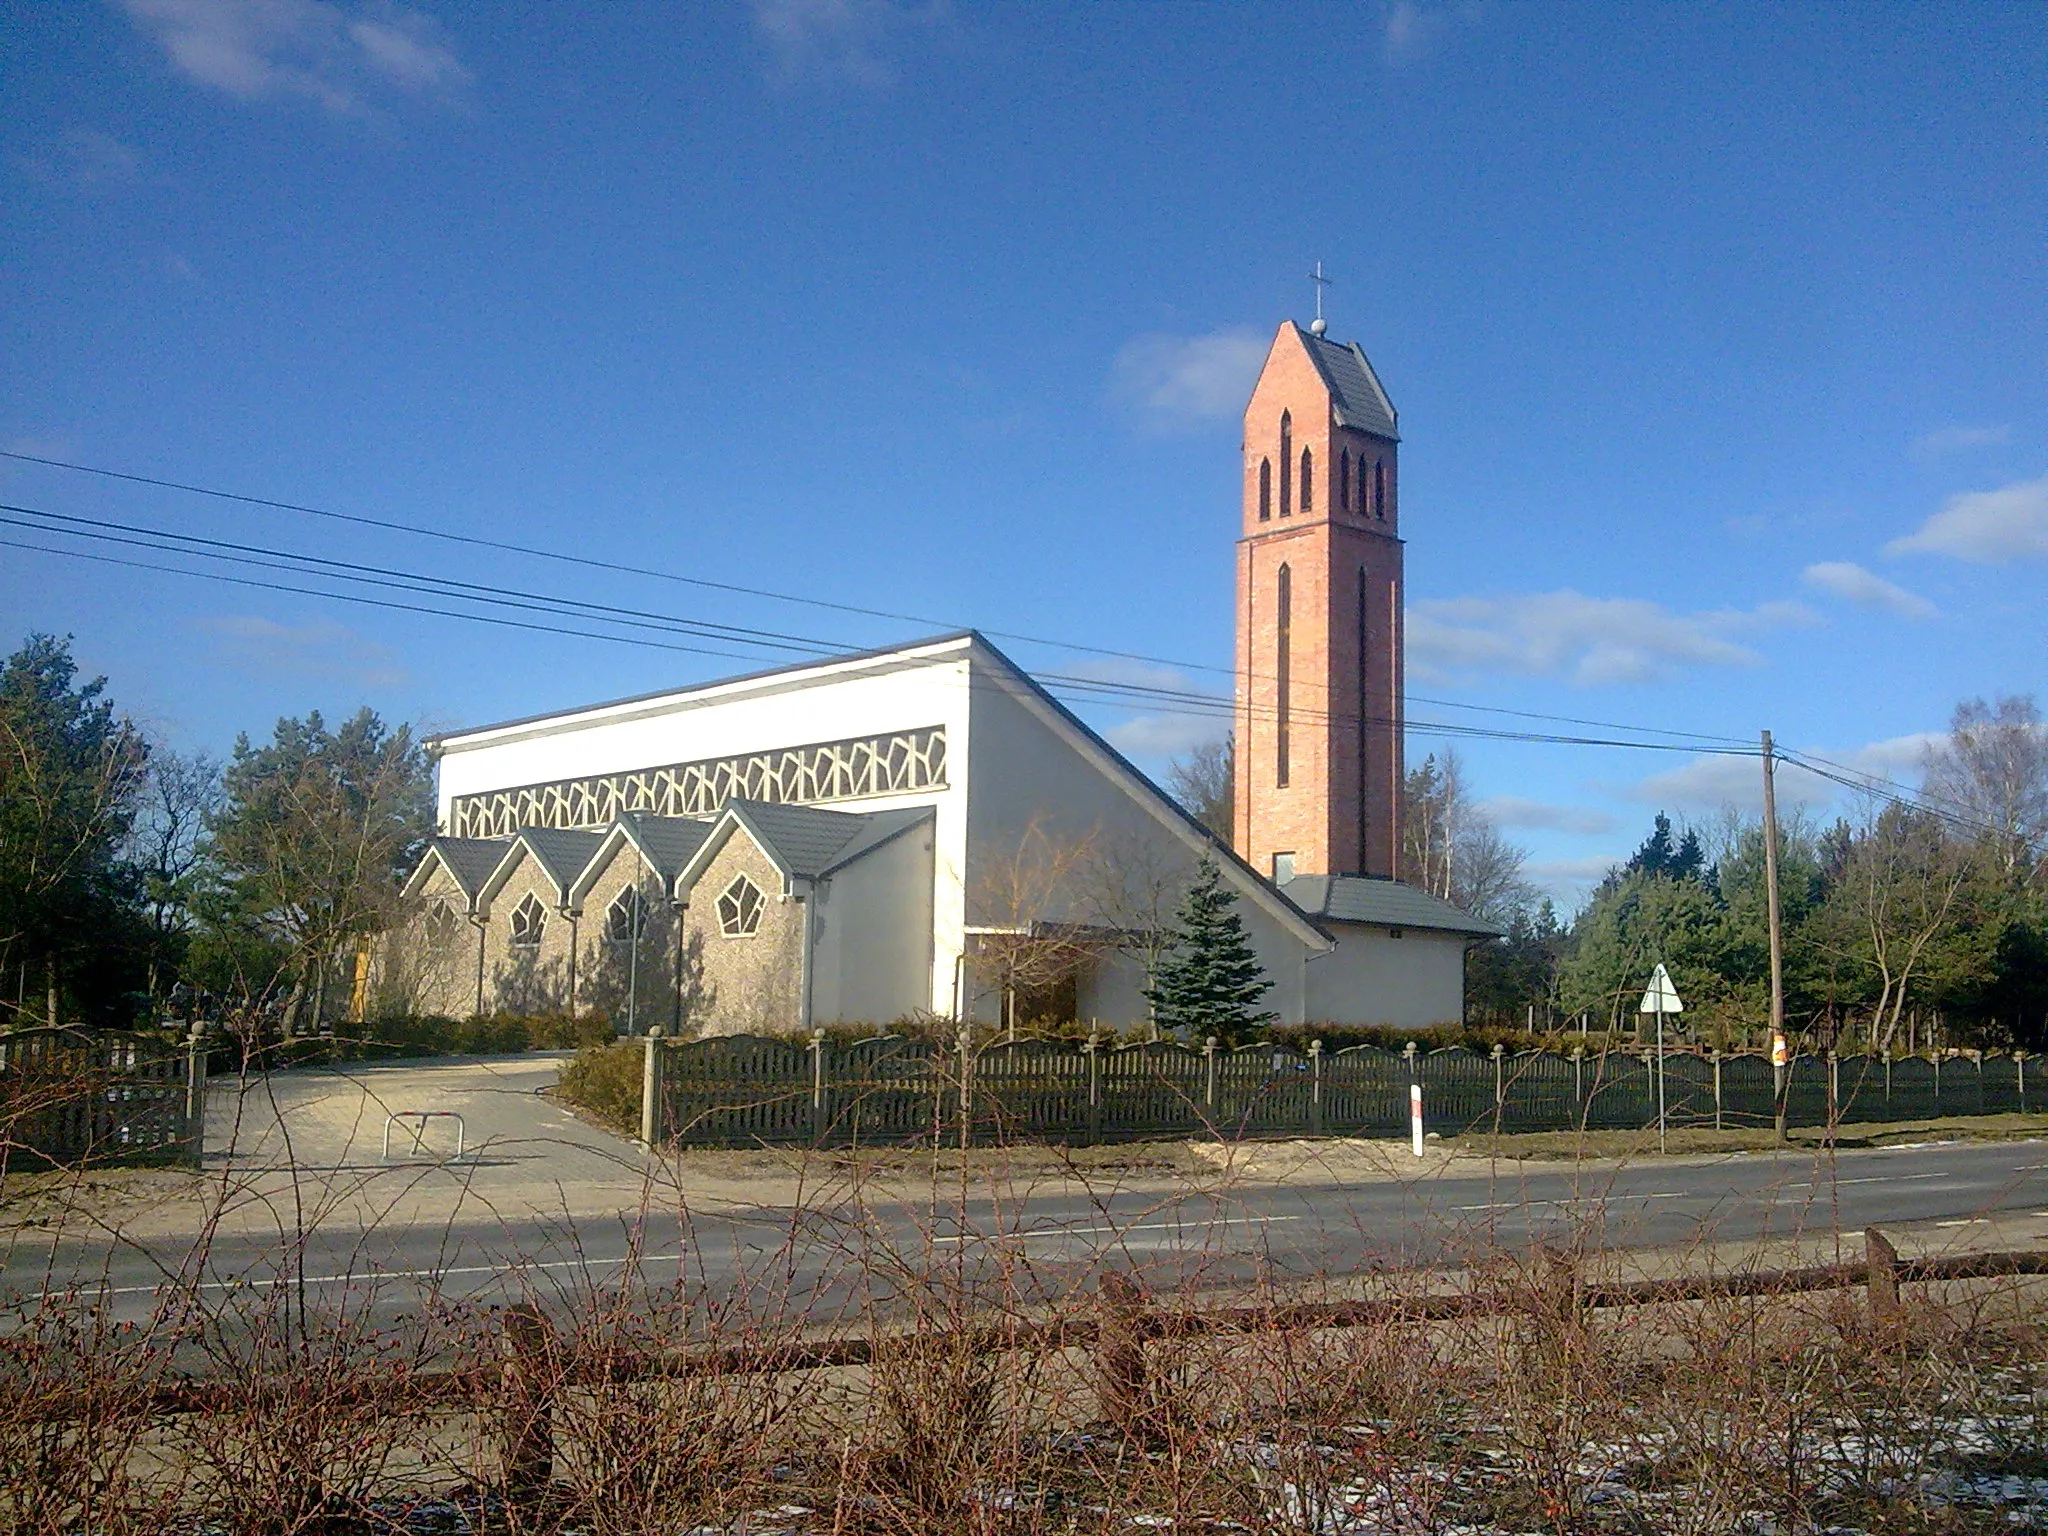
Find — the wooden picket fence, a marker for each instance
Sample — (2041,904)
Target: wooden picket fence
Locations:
(746,1090)
(70,1097)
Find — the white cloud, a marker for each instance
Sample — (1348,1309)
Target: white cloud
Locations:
(323,649)
(84,160)
(1592,640)
(1514,811)
(1957,439)
(311,49)
(1179,381)
(1708,783)
(1988,527)
(1568,879)
(1853,584)
(838,40)
(1164,735)
(1409,28)
(1132,672)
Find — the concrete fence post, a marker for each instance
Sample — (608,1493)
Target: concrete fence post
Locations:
(2019,1062)
(1887,1082)
(1092,1050)
(651,1091)
(195,1094)
(1122,1392)
(1937,1085)
(1834,1089)
(820,1119)
(1500,1085)
(1716,1057)
(964,1048)
(1579,1086)
(1315,1087)
(1209,1074)
(1882,1280)
(526,1386)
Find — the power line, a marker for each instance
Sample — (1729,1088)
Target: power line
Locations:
(1167,701)
(620,568)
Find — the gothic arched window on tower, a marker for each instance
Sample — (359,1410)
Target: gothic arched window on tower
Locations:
(1379,489)
(1308,480)
(1286,463)
(1284,615)
(1344,482)
(1265,490)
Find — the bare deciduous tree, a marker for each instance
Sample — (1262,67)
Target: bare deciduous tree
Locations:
(1204,781)
(1452,849)
(1031,937)
(1993,772)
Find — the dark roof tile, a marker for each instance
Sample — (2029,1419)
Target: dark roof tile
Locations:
(1382,903)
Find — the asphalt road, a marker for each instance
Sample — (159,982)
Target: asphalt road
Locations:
(502,1240)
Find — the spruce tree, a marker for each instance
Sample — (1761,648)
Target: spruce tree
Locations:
(1208,981)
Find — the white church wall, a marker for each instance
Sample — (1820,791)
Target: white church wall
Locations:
(872,935)
(1029,774)
(907,690)
(1374,978)
(1112,992)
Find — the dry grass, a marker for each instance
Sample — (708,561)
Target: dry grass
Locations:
(965,1408)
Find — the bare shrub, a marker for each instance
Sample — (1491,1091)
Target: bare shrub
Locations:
(74,1409)
(310,1411)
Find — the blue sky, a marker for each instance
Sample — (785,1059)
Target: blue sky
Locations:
(1719,335)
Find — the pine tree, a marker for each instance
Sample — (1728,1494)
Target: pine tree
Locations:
(1208,981)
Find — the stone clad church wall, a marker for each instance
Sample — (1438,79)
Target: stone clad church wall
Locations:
(751,985)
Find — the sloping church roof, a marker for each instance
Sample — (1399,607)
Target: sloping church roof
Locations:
(470,860)
(809,842)
(561,853)
(1355,390)
(668,841)
(1382,904)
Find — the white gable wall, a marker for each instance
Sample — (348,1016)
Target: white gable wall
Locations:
(1371,977)
(1031,770)
(871,934)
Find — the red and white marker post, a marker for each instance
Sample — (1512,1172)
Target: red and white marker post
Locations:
(1415,1116)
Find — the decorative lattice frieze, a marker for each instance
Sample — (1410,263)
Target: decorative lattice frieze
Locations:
(898,763)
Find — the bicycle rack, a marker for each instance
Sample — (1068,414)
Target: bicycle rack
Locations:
(422,1116)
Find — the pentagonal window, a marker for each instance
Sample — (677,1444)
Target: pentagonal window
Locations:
(739,909)
(622,919)
(441,922)
(529,919)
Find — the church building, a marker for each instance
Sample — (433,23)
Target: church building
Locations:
(925,830)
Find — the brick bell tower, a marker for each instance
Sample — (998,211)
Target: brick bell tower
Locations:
(1319,670)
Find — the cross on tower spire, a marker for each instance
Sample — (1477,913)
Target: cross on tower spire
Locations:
(1321,283)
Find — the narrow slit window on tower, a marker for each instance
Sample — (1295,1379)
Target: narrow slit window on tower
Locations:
(1265,490)
(1308,480)
(1286,463)
(1379,489)
(1282,666)
(1344,482)
(1364,716)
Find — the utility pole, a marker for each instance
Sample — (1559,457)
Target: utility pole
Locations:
(1779,1056)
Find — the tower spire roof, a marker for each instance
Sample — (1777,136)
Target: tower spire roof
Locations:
(1355,390)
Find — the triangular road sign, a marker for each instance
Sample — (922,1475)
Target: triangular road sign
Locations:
(1662,996)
